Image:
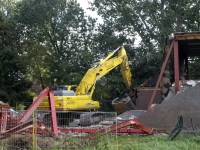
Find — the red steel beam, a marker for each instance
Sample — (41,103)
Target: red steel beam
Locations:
(37,102)
(16,129)
(53,112)
(34,105)
(176,66)
(44,128)
(161,73)
(3,119)
(24,127)
(186,67)
(134,123)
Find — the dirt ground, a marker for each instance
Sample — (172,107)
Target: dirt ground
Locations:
(20,141)
(164,115)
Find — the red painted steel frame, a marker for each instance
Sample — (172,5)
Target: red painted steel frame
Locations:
(3,119)
(36,103)
(161,73)
(176,66)
(176,70)
(53,112)
(23,127)
(134,123)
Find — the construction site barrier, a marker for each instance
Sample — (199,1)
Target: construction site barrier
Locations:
(75,130)
(36,131)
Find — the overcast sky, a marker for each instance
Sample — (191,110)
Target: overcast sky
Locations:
(84,4)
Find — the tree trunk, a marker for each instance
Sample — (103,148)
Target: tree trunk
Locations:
(179,16)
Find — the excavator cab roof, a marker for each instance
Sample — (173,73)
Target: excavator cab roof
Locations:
(62,90)
(58,87)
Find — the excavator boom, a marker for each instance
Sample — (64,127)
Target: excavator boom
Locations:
(88,82)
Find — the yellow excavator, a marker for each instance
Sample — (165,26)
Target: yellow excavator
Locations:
(68,102)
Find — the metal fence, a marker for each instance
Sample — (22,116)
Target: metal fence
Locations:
(76,130)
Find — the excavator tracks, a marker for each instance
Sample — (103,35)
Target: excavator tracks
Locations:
(75,118)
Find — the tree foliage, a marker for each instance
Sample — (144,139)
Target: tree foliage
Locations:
(53,42)
(62,28)
(14,84)
(151,21)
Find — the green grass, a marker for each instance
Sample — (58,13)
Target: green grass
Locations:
(112,142)
(153,142)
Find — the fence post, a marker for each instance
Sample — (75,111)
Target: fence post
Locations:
(34,131)
(116,131)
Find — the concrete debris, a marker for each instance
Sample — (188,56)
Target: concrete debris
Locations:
(119,118)
(12,110)
(132,114)
(191,82)
(106,122)
(164,115)
(14,115)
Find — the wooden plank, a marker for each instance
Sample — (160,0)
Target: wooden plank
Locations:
(187,37)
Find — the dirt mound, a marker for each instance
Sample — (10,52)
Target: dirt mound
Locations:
(164,115)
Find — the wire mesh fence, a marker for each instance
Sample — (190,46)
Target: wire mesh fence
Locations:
(76,130)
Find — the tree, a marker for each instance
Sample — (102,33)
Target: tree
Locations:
(14,84)
(7,7)
(62,28)
(33,55)
(151,20)
(59,43)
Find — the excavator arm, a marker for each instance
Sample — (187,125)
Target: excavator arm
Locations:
(87,84)
(81,100)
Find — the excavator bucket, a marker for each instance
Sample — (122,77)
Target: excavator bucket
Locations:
(124,104)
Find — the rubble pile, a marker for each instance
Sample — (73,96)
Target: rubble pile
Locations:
(164,115)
